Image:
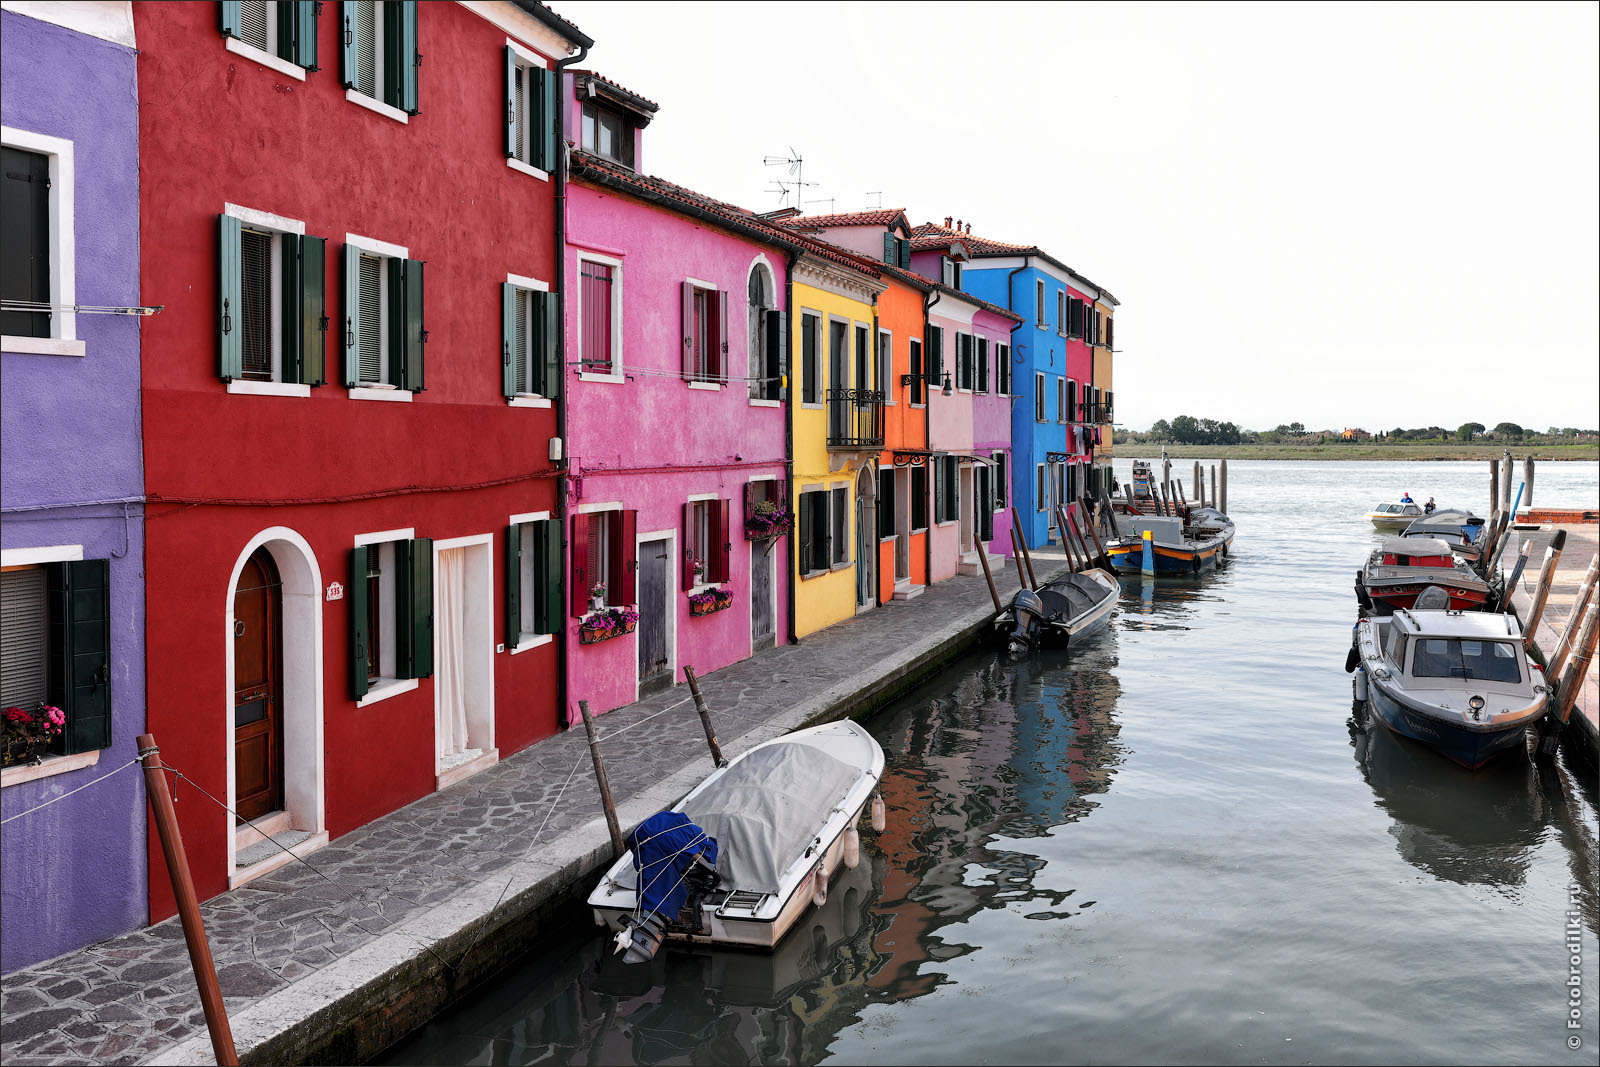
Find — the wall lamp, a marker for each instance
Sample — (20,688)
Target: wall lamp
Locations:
(947,390)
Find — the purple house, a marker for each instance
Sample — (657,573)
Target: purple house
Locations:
(71,487)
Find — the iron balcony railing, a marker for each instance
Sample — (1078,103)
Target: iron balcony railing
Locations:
(855,418)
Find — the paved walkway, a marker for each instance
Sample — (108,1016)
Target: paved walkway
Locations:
(436,880)
(1583,539)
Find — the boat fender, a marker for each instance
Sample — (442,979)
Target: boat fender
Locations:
(1196,564)
(1360,683)
(1352,659)
(852,848)
(819,886)
(878,820)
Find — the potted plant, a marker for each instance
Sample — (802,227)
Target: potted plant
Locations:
(30,733)
(597,596)
(768,518)
(605,624)
(709,601)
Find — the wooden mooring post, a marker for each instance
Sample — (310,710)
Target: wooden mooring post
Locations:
(1199,485)
(1068,524)
(606,800)
(1558,658)
(1027,557)
(705,716)
(194,930)
(1214,497)
(983,552)
(1572,680)
(1016,557)
(1494,490)
(1222,491)
(1527,482)
(1104,560)
(1111,512)
(1541,593)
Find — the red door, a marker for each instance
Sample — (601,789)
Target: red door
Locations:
(257,673)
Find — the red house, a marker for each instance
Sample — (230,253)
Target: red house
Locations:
(351,405)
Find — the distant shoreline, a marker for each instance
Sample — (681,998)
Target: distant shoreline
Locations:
(1422,452)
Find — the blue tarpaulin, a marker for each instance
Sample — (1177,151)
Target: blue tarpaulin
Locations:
(664,847)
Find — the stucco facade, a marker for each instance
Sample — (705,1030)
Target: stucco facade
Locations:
(71,487)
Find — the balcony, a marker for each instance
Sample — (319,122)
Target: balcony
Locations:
(855,419)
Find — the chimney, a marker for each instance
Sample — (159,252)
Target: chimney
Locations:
(969,227)
(958,225)
(948,219)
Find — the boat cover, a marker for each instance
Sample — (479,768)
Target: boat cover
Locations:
(767,808)
(1415,546)
(664,848)
(1072,596)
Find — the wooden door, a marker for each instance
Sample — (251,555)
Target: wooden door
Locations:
(257,688)
(761,627)
(652,627)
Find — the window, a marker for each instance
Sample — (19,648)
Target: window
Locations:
(1002,480)
(947,489)
(1110,409)
(769,338)
(918,383)
(380,53)
(1038,299)
(1039,489)
(603,558)
(532,579)
(964,367)
(384,332)
(933,356)
(1075,318)
(707,543)
(919,498)
(272,300)
(530,136)
(983,365)
(530,332)
(37,245)
(600,317)
(886,502)
(1063,410)
(886,365)
(1002,359)
(391,610)
(280,29)
(1038,397)
(1061,312)
(841,525)
(896,250)
(55,636)
(838,374)
(810,359)
(864,367)
(607,133)
(705,333)
(815,532)
(1486,661)
(1109,321)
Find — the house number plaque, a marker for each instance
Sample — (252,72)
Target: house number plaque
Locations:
(335,592)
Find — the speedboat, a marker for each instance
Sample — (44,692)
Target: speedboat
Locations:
(1463,531)
(1402,567)
(1197,541)
(749,850)
(1459,682)
(1394,515)
(1060,612)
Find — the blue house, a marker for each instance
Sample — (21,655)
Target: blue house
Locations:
(1058,408)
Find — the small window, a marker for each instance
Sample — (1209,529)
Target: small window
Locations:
(380,51)
(531,321)
(705,328)
(1038,397)
(391,613)
(598,550)
(533,580)
(947,268)
(768,337)
(815,532)
(27,244)
(1038,293)
(1002,357)
(983,365)
(383,327)
(964,362)
(864,361)
(272,302)
(1063,409)
(886,365)
(530,110)
(26,658)
(918,378)
(603,560)
(1061,312)
(607,133)
(841,525)
(701,548)
(1040,489)
(286,29)
(598,315)
(919,498)
(55,651)
(810,359)
(1002,480)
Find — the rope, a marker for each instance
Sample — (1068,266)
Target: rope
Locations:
(624,729)
(63,796)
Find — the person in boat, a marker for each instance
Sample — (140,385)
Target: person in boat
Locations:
(1406,499)
(1427,509)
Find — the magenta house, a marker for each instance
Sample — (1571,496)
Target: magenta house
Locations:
(676,332)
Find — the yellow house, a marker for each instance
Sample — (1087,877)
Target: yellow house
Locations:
(836,411)
(1104,392)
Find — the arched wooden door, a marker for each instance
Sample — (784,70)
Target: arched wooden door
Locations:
(257,688)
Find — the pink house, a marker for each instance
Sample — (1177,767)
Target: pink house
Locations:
(676,332)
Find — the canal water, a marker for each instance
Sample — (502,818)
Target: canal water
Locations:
(1179,843)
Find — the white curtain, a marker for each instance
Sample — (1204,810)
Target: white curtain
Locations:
(450,624)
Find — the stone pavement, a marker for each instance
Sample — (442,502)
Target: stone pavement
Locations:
(413,908)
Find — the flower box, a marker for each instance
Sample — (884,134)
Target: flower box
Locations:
(605,624)
(710,601)
(767,520)
(30,733)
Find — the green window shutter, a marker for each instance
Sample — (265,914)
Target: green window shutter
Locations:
(508,339)
(352,312)
(304,17)
(356,594)
(228,11)
(777,356)
(289,318)
(400,31)
(891,253)
(79,676)
(905,252)
(347,47)
(513,584)
(414,593)
(547,576)
(313,302)
(230,328)
(511,102)
(545,142)
(548,306)
(415,332)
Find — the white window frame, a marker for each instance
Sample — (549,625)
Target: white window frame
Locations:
(835,563)
(1041,488)
(277,225)
(711,382)
(820,321)
(756,337)
(63,339)
(526,60)
(374,101)
(380,390)
(528,400)
(1000,490)
(1038,295)
(267,58)
(1063,415)
(386,684)
(602,508)
(1041,412)
(824,490)
(693,534)
(886,365)
(615,376)
(527,581)
(1061,312)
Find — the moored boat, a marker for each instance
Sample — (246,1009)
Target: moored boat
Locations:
(747,852)
(1393,516)
(1463,531)
(1458,682)
(1197,541)
(1402,567)
(1060,612)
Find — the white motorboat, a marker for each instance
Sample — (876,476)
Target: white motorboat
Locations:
(1061,612)
(1392,516)
(749,850)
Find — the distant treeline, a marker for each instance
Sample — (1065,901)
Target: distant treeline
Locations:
(1188,430)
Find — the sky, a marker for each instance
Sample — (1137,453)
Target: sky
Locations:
(1342,215)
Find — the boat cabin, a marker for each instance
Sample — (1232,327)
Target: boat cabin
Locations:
(1416,552)
(1454,527)
(1397,510)
(1430,648)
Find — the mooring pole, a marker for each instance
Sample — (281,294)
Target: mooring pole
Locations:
(1527,481)
(194,930)
(1222,499)
(1494,487)
(1558,659)
(1505,482)
(1215,499)
(606,801)
(1069,527)
(705,716)
(1541,593)
(1016,557)
(1111,512)
(1027,557)
(1105,560)
(1572,680)
(1199,486)
(1516,572)
(1147,561)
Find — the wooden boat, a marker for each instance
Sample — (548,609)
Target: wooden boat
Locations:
(1402,567)
(1197,541)
(1463,531)
(1459,682)
(1060,612)
(1392,516)
(747,852)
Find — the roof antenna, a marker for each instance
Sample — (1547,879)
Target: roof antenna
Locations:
(797,182)
(879,194)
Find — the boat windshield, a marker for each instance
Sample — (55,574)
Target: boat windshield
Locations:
(1451,657)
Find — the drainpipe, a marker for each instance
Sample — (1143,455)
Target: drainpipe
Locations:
(927,441)
(560,191)
(872,349)
(788,441)
(1011,302)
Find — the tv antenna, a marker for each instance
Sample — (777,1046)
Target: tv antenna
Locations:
(795,183)
(879,194)
(824,200)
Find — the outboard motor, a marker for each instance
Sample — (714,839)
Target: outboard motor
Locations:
(1432,598)
(1027,612)
(674,863)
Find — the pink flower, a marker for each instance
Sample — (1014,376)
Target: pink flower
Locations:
(56,715)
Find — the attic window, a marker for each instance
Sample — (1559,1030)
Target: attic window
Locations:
(607,133)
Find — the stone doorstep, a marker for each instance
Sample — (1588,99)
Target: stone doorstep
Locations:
(292,1024)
